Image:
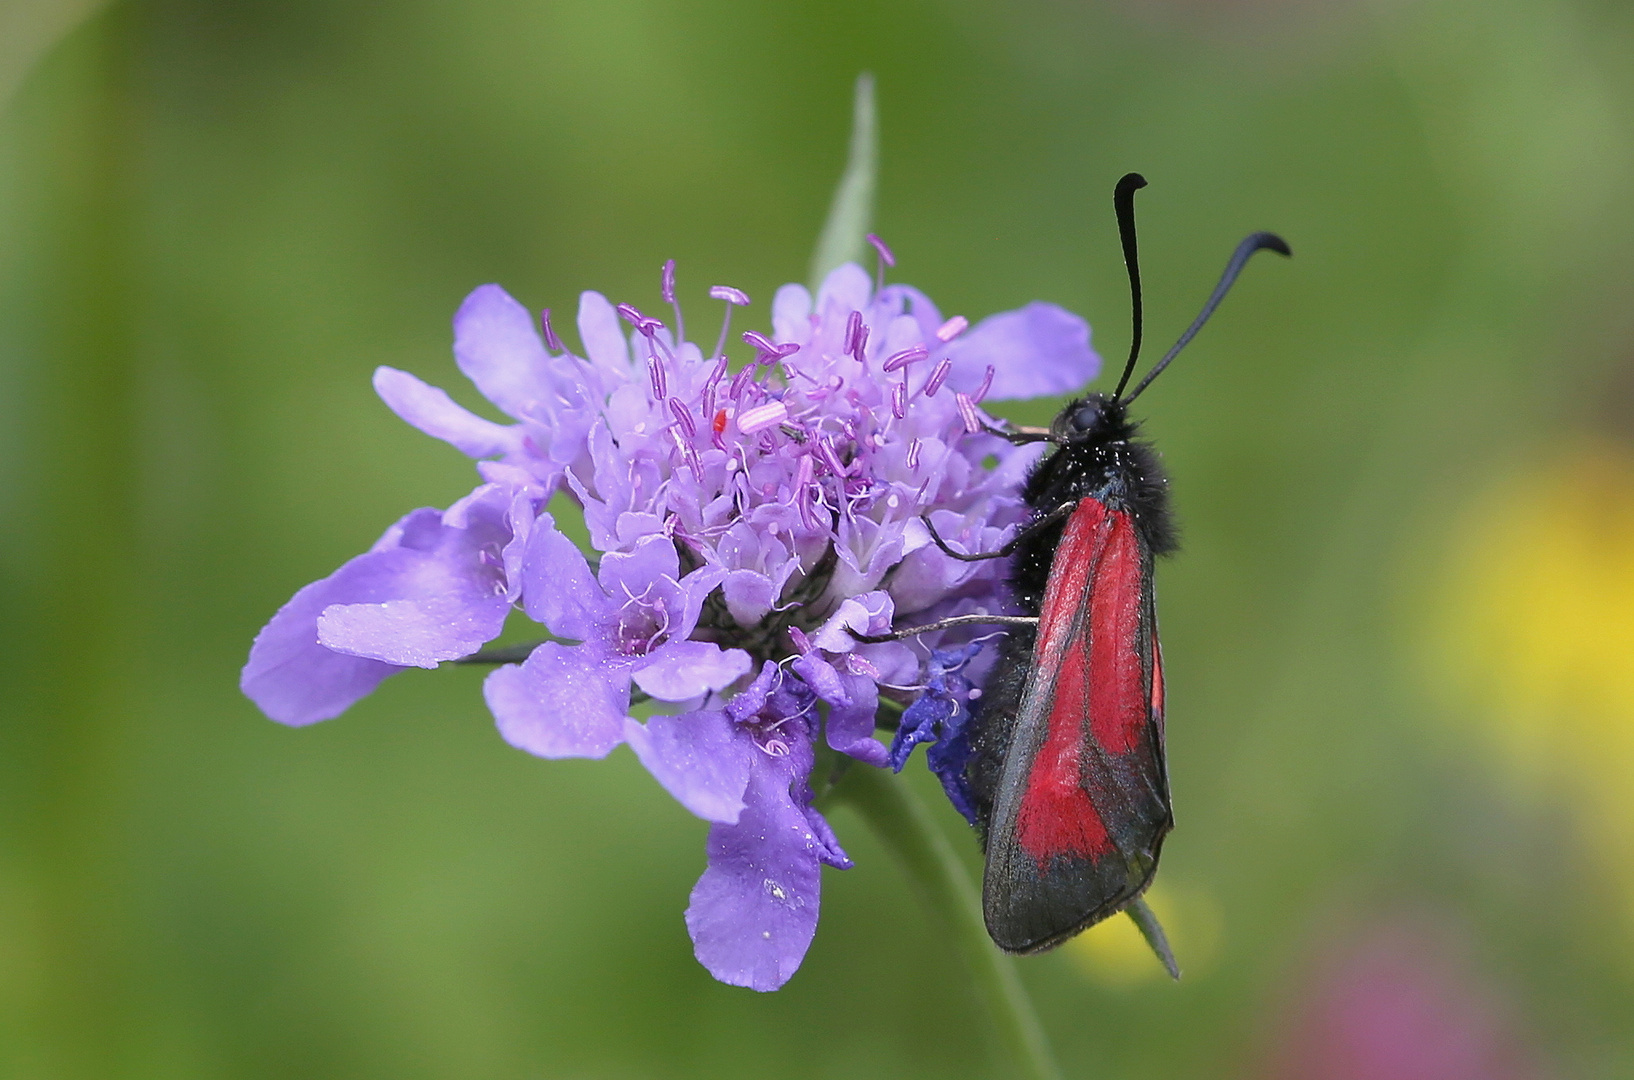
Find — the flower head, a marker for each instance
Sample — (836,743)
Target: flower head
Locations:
(747,520)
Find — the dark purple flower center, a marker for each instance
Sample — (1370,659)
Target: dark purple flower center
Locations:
(643,621)
(784,719)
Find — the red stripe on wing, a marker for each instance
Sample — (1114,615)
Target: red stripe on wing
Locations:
(1056,816)
(1119,704)
(1157,679)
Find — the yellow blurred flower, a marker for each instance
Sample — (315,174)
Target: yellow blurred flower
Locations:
(1114,953)
(1535,630)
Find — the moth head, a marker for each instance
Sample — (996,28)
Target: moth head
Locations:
(1085,418)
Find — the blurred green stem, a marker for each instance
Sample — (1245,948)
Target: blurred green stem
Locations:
(904,823)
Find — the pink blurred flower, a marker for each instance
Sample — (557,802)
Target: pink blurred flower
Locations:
(1398,1002)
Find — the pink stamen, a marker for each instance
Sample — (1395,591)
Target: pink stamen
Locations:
(986,385)
(885,255)
(826,450)
(552,342)
(683,416)
(729,294)
(631,315)
(852,326)
(967,409)
(860,665)
(859,350)
(655,372)
(761,417)
(885,259)
(952,328)
(899,400)
(740,381)
(938,376)
(913,454)
(667,287)
(905,357)
(765,351)
(802,644)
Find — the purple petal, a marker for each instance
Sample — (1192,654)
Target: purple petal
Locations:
(432,411)
(294,679)
(749,595)
(700,757)
(561,702)
(603,340)
(497,347)
(558,588)
(850,728)
(1037,351)
(683,670)
(441,596)
(869,613)
(653,560)
(791,314)
(847,288)
(754,911)
(853,701)
(920,307)
(415,633)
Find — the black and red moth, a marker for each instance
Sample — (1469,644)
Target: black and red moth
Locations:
(1066,774)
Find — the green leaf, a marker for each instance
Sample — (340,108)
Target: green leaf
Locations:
(852,211)
(1152,931)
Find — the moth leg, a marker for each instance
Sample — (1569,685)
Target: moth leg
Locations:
(1019,435)
(1010,546)
(946,624)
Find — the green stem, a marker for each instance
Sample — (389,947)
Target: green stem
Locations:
(904,823)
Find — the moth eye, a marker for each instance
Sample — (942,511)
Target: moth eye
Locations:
(1085,417)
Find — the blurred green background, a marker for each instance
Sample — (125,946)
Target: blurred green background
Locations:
(1400,637)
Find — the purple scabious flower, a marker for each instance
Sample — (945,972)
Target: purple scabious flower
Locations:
(746,519)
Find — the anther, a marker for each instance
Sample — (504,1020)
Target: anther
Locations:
(552,342)
(802,644)
(762,417)
(986,385)
(655,372)
(913,454)
(631,315)
(683,416)
(899,400)
(967,409)
(729,294)
(667,289)
(938,376)
(860,347)
(905,357)
(853,326)
(885,259)
(830,458)
(765,351)
(952,328)
(860,665)
(885,255)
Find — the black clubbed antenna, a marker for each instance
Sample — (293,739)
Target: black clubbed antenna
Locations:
(1260,241)
(1123,204)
